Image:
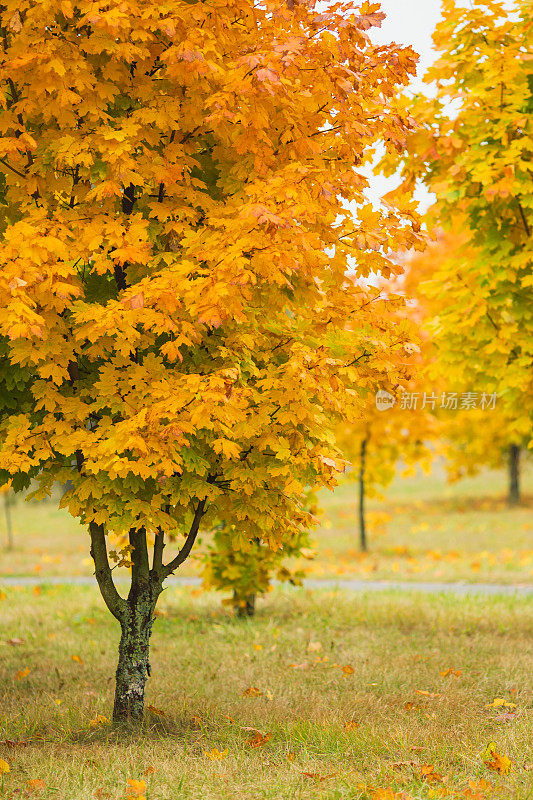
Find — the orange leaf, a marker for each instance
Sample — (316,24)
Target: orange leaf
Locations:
(318,777)
(137,301)
(252,691)
(135,789)
(36,785)
(22,673)
(258,739)
(351,725)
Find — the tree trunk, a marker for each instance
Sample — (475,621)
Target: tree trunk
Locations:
(7,509)
(133,667)
(247,610)
(514,475)
(362,525)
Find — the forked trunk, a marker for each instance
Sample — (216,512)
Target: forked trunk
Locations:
(133,667)
(514,475)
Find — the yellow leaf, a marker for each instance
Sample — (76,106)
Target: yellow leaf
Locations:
(4,766)
(215,754)
(98,720)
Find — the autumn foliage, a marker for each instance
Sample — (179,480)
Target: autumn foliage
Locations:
(178,333)
(472,149)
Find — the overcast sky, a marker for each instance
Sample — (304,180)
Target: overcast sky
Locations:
(408,22)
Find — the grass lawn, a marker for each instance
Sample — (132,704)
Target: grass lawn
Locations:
(427,529)
(424,529)
(345,690)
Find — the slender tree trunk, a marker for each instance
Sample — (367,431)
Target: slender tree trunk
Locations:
(247,610)
(136,618)
(514,475)
(7,509)
(133,668)
(362,525)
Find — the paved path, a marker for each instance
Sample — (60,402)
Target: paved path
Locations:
(311,583)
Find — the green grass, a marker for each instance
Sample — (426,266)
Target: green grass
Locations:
(427,529)
(203,660)
(423,529)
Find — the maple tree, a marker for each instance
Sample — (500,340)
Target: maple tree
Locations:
(178,333)
(473,151)
(476,436)
(388,436)
(382,444)
(248,572)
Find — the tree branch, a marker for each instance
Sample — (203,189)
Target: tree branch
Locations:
(8,165)
(115,603)
(159,544)
(139,555)
(189,541)
(524,220)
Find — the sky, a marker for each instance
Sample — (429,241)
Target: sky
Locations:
(407,22)
(410,22)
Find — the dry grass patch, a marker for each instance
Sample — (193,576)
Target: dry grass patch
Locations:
(323,695)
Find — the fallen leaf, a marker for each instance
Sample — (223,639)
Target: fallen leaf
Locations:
(157,711)
(499,702)
(215,754)
(258,739)
(347,670)
(493,760)
(446,673)
(98,720)
(148,771)
(252,691)
(427,694)
(36,785)
(77,659)
(427,773)
(4,767)
(15,642)
(318,777)
(135,790)
(22,673)
(351,725)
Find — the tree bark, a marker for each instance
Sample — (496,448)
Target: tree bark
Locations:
(136,613)
(362,523)
(7,509)
(514,475)
(246,610)
(133,668)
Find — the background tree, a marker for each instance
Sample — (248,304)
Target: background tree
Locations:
(382,445)
(248,572)
(473,150)
(177,331)
(482,434)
